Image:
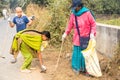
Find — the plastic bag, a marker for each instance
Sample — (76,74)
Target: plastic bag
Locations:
(91,59)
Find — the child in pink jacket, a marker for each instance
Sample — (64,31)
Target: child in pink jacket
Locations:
(87,27)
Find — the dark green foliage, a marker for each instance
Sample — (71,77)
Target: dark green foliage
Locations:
(104,6)
(98,6)
(3,4)
(21,3)
(40,2)
(13,4)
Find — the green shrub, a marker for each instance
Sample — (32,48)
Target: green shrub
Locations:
(59,11)
(104,6)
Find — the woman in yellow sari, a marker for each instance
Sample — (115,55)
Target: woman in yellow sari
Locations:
(29,43)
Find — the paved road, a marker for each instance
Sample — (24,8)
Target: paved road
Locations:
(10,71)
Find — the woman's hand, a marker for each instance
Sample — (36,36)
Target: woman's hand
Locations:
(43,68)
(92,36)
(64,36)
(10,22)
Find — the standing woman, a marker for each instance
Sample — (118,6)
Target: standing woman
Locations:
(87,27)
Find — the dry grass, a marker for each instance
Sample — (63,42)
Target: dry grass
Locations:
(64,71)
(113,19)
(42,16)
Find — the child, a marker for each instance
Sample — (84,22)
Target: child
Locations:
(29,43)
(20,20)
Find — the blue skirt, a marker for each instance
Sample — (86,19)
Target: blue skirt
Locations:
(78,61)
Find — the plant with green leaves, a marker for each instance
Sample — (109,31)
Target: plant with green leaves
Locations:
(59,11)
(104,6)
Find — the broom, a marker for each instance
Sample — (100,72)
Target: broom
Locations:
(56,66)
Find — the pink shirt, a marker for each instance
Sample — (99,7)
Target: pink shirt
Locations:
(85,22)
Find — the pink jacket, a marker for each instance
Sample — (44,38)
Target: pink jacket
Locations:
(85,22)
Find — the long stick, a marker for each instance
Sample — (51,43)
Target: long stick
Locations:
(59,56)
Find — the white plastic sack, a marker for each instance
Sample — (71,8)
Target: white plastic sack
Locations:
(91,59)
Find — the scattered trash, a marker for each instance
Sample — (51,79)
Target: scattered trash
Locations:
(2,57)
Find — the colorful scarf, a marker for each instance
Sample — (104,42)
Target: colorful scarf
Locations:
(33,41)
(81,11)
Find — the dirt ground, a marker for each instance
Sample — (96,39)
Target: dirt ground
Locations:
(110,69)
